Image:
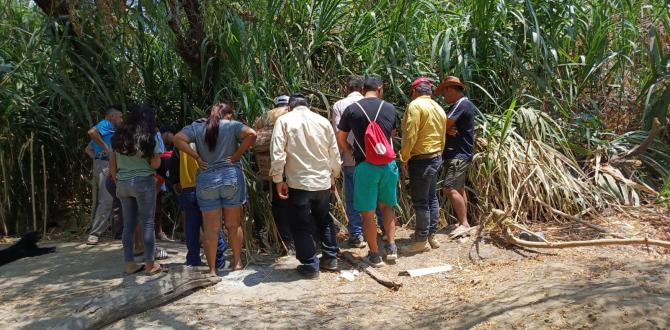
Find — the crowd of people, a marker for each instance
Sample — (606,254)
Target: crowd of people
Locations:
(299,154)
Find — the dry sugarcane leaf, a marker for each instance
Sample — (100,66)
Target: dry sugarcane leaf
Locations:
(614,172)
(625,193)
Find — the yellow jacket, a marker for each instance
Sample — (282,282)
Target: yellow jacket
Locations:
(423,128)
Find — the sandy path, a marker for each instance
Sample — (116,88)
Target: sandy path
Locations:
(589,288)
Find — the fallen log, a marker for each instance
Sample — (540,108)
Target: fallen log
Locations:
(137,298)
(377,276)
(571,244)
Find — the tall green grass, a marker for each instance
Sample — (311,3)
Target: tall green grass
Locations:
(570,61)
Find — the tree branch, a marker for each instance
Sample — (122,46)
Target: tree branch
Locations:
(53,8)
(642,147)
(597,242)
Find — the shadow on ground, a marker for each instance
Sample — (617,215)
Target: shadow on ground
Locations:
(593,288)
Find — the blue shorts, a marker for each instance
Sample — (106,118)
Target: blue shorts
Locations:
(220,187)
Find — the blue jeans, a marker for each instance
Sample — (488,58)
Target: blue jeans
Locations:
(355,222)
(311,207)
(189,205)
(423,189)
(138,202)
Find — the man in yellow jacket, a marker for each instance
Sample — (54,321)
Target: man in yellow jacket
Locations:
(423,136)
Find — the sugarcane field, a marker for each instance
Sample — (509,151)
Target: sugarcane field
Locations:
(337,164)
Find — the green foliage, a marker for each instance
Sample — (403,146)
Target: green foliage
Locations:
(542,71)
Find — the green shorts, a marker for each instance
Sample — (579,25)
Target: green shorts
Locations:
(455,172)
(375,184)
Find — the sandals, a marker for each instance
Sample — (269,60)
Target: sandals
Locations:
(161,254)
(139,269)
(155,271)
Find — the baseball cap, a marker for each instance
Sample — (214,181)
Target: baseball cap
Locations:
(281,99)
(421,80)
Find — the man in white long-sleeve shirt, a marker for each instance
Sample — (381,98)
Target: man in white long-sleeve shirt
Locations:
(305,162)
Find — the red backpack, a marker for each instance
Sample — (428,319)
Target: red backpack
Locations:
(378,149)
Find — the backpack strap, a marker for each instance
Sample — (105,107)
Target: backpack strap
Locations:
(363,111)
(354,135)
(366,114)
(379,110)
(369,121)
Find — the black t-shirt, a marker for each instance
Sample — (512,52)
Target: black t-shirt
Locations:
(460,146)
(353,120)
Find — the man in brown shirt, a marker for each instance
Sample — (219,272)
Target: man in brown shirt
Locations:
(280,207)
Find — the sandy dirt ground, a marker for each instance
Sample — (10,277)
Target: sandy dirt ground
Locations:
(488,288)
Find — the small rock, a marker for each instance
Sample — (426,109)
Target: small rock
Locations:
(532,236)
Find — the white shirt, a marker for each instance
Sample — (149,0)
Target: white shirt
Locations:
(338,110)
(304,149)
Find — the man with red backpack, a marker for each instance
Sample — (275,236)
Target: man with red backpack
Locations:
(373,122)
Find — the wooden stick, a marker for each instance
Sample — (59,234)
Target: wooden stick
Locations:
(597,242)
(585,223)
(342,208)
(377,276)
(338,224)
(32,180)
(46,202)
(112,306)
(642,147)
(4,204)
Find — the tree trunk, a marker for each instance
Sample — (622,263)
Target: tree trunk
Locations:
(189,41)
(137,298)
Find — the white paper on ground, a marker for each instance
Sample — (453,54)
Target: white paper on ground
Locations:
(428,271)
(347,275)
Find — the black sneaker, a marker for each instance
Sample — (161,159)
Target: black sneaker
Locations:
(329,264)
(307,272)
(357,242)
(374,260)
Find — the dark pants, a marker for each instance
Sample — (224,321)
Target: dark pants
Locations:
(189,205)
(312,207)
(423,188)
(281,212)
(117,217)
(159,212)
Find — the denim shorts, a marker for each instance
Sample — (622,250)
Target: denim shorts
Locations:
(221,187)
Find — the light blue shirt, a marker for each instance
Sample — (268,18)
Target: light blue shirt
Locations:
(106,130)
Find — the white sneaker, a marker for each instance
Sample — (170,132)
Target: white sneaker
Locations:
(227,266)
(92,240)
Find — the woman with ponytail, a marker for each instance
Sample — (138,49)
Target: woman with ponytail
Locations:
(220,187)
(135,158)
